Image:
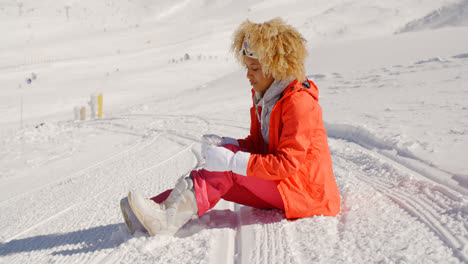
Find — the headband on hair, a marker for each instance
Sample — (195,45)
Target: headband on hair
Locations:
(247,51)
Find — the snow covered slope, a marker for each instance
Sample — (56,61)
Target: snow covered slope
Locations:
(447,16)
(394,106)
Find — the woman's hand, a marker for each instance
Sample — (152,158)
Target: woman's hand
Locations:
(222,159)
(215,140)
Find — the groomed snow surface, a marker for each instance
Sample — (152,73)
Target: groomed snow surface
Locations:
(393,81)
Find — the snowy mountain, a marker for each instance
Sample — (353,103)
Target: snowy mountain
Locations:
(451,15)
(393,87)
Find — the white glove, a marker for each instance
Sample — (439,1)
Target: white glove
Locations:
(215,140)
(212,139)
(222,159)
(229,140)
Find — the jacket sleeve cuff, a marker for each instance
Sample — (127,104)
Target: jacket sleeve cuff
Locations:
(240,163)
(229,140)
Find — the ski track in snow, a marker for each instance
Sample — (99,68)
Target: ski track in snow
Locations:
(79,191)
(417,197)
(244,234)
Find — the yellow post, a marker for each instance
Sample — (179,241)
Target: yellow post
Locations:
(83,113)
(100,105)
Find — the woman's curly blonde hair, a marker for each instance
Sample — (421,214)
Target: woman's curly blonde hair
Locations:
(279,47)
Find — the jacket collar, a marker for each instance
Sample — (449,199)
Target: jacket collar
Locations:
(272,94)
(291,88)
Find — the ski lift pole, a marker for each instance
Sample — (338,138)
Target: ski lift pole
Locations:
(29,80)
(21,112)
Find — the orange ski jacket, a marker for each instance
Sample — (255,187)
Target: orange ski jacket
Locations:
(297,157)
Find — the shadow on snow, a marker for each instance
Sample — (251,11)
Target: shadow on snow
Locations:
(82,241)
(112,236)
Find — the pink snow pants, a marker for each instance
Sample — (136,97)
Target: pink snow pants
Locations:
(210,187)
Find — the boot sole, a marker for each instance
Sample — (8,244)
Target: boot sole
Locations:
(130,228)
(129,224)
(138,214)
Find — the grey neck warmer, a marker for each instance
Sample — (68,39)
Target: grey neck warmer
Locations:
(267,102)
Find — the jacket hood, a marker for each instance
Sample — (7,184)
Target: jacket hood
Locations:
(307,86)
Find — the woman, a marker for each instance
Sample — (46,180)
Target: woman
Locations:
(284,163)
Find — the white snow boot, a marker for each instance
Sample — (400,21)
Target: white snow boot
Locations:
(131,221)
(168,217)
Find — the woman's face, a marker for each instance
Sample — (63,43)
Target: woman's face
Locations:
(259,82)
